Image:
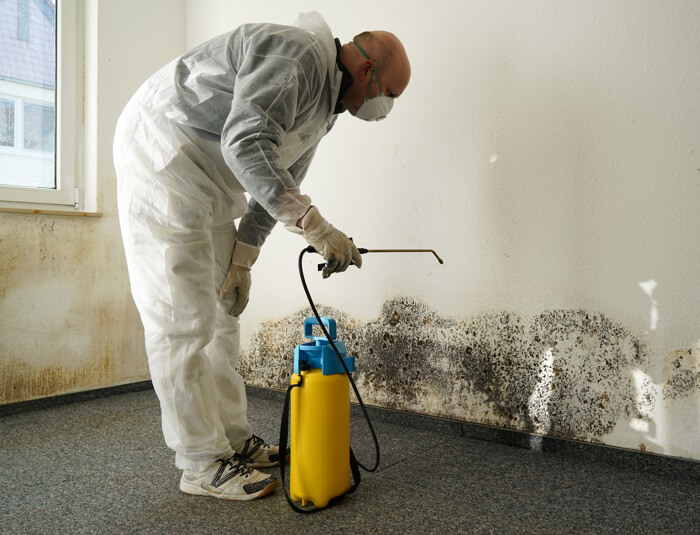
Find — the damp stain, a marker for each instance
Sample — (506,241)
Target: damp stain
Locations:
(8,264)
(105,356)
(68,321)
(20,381)
(565,373)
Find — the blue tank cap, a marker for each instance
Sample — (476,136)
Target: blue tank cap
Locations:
(319,353)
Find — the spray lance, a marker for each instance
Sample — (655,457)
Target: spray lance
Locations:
(365,251)
(318,397)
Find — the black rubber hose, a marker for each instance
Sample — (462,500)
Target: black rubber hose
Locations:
(340,358)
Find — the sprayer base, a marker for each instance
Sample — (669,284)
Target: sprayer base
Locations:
(320,502)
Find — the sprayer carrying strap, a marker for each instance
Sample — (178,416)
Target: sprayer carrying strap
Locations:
(284,432)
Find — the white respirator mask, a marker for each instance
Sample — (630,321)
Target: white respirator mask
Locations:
(377,108)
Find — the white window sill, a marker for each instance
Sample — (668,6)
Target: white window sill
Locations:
(68,211)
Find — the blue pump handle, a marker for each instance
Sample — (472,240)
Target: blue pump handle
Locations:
(328,322)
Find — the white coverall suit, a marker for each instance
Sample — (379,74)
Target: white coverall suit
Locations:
(242,112)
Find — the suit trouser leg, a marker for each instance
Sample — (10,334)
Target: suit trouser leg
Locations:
(178,235)
(224,348)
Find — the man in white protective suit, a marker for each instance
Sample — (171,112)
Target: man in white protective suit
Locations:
(243,112)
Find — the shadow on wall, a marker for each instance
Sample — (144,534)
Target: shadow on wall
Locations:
(565,373)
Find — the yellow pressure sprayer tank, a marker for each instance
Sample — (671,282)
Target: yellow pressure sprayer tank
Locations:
(320,419)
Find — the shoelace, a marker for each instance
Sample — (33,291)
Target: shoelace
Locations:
(237,465)
(248,452)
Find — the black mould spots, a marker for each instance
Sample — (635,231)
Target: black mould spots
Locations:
(563,372)
(682,372)
(394,319)
(681,384)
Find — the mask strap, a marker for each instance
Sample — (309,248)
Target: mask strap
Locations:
(374,72)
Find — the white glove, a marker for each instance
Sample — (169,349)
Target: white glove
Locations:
(237,282)
(329,242)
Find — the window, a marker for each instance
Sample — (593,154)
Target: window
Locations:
(27,134)
(7,122)
(39,127)
(40,94)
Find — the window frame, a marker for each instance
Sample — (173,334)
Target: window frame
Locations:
(68,110)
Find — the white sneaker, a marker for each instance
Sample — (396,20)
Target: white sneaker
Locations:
(257,453)
(230,479)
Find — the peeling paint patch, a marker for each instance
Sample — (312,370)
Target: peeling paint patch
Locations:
(566,373)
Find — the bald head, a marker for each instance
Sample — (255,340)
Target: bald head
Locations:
(387,55)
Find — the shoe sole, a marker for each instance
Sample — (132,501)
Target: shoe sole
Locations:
(194,490)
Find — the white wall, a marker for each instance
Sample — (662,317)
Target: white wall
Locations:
(550,152)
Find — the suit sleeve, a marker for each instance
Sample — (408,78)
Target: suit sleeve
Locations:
(257,224)
(271,91)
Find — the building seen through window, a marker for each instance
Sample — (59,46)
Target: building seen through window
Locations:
(27,93)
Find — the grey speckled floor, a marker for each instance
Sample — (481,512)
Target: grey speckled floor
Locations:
(101,466)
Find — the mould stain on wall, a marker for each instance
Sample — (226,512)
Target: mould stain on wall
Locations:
(682,368)
(566,373)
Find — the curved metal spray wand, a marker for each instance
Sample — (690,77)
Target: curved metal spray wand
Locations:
(364,251)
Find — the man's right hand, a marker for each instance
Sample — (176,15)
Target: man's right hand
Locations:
(335,247)
(237,281)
